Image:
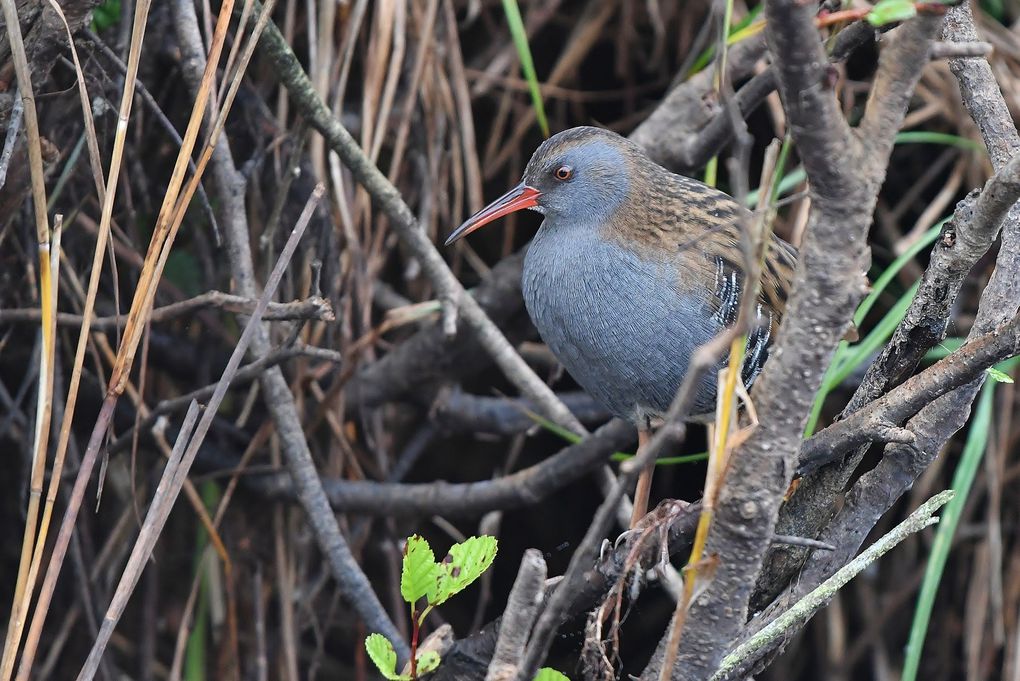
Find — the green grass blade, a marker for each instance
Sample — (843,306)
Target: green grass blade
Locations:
(617,456)
(196,653)
(789,181)
(565,434)
(973,450)
(943,349)
(520,38)
(667,460)
(847,357)
(928,137)
(740,30)
(882,281)
(858,353)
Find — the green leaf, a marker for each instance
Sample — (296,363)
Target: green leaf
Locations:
(550,674)
(465,563)
(381,651)
(105,15)
(520,38)
(419,571)
(998,376)
(890,11)
(427,661)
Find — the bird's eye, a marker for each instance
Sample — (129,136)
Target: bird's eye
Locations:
(563,173)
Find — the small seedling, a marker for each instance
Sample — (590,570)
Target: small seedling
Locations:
(891,11)
(424,584)
(998,375)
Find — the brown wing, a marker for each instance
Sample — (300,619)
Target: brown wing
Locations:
(700,225)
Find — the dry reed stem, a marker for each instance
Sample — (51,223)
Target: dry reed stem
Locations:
(171,213)
(228,69)
(101,240)
(141,304)
(47,297)
(184,453)
(91,139)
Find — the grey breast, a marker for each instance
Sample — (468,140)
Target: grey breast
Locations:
(620,324)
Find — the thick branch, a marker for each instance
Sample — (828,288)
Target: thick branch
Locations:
(522,488)
(875,492)
(965,239)
(956,370)
(844,178)
(521,607)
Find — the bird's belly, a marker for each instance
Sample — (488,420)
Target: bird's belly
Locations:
(619,325)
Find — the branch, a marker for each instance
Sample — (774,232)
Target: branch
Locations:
(877,490)
(521,608)
(900,66)
(844,175)
(958,50)
(964,241)
(314,307)
(752,649)
(525,487)
(958,369)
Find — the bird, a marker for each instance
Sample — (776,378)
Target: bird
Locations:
(633,268)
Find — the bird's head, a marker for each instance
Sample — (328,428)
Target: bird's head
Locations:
(580,175)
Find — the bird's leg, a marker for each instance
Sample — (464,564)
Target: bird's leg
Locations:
(644,483)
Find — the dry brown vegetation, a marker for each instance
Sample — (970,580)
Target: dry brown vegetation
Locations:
(369,391)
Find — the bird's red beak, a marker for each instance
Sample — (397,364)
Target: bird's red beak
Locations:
(520,197)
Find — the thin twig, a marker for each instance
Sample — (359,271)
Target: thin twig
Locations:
(521,607)
(313,308)
(13,130)
(800,612)
(176,472)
